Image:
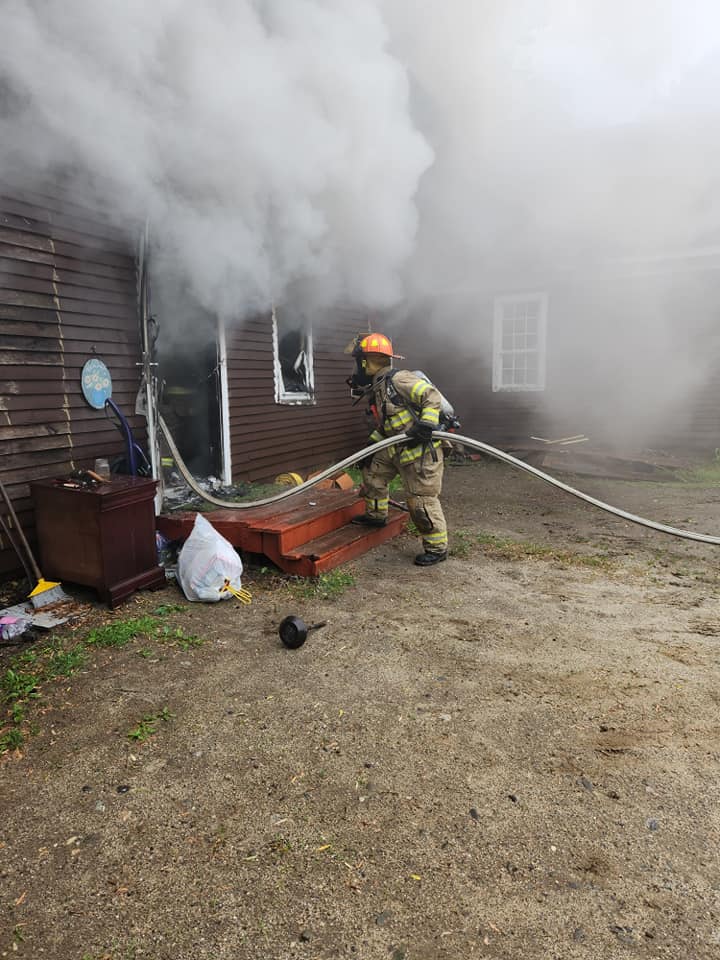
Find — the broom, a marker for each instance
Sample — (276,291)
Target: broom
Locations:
(45,592)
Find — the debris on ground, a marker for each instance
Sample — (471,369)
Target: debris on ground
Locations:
(319,805)
(42,618)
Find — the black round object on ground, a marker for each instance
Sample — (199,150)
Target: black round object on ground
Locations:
(293,631)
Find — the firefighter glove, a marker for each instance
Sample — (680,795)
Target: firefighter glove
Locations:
(420,432)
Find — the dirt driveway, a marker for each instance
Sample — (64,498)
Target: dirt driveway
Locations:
(513,755)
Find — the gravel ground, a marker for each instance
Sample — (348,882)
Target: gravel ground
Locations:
(511,755)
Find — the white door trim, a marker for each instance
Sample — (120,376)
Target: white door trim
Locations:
(224,404)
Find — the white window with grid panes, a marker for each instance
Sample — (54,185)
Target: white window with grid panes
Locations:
(520,324)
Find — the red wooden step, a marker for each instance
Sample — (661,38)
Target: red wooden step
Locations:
(306,534)
(340,546)
(313,521)
(295,520)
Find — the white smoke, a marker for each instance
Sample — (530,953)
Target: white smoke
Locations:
(557,124)
(276,140)
(393,152)
(571,141)
(266,141)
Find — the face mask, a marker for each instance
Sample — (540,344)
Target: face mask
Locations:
(360,378)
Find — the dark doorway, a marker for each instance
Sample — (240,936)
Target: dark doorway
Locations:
(188,369)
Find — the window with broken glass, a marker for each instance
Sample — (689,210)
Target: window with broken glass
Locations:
(293,357)
(520,324)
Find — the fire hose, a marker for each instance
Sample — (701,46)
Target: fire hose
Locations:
(439,435)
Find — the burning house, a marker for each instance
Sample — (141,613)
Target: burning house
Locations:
(540,204)
(245,400)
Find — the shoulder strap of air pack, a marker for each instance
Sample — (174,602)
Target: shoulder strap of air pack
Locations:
(448,420)
(394,395)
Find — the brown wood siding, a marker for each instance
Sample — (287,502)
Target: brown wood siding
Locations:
(600,376)
(498,418)
(68,292)
(453,346)
(633,360)
(269,438)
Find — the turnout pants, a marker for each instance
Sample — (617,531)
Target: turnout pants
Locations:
(422,480)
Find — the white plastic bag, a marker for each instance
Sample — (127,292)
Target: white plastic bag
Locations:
(207,560)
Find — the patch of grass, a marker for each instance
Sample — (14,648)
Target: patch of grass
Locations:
(600,560)
(13,739)
(705,474)
(328,586)
(63,663)
(178,637)
(17,713)
(121,632)
(165,608)
(505,548)
(144,729)
(462,544)
(28,657)
(147,725)
(22,681)
(17,685)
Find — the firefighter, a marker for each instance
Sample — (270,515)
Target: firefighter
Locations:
(402,402)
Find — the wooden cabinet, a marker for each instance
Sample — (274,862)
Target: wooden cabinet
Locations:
(102,537)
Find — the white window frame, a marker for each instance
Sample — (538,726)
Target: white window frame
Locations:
(499,353)
(224,404)
(291,396)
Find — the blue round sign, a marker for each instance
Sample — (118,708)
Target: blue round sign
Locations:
(96,383)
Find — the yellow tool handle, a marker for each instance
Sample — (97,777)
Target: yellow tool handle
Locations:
(244,596)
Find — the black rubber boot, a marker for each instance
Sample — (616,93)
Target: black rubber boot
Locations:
(428,559)
(366,521)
